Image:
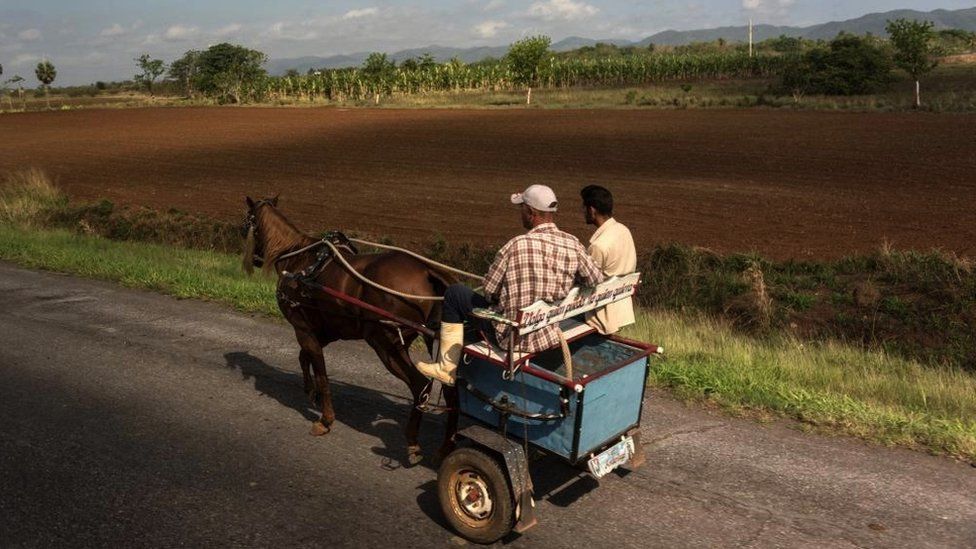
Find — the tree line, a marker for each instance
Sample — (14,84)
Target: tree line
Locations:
(856,65)
(45,72)
(847,65)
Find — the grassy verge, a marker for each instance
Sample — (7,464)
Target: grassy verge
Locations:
(183,273)
(826,385)
(830,385)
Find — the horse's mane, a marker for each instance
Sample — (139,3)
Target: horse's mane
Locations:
(280,235)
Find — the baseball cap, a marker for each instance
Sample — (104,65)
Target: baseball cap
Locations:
(539,197)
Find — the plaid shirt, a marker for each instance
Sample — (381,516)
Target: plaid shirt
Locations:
(543,264)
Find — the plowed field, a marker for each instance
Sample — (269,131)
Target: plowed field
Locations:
(786,184)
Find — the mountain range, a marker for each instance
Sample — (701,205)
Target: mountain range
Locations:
(872,23)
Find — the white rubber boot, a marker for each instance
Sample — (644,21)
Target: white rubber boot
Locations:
(449,353)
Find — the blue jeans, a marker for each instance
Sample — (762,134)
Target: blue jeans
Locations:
(459,301)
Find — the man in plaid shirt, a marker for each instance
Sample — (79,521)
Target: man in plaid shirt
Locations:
(543,264)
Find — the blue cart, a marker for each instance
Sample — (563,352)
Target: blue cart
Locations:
(580,402)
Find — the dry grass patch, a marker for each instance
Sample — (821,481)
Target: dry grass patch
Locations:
(28,197)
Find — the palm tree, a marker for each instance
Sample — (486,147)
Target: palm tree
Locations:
(46,74)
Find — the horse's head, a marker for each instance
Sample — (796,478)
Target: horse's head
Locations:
(253,237)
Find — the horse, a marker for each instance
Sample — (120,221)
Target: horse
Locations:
(270,241)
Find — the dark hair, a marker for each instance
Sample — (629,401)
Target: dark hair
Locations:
(599,198)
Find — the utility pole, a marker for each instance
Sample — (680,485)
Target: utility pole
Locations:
(750,37)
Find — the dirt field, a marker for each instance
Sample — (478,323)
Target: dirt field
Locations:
(787,184)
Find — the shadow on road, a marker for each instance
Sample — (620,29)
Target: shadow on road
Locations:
(381,415)
(371,412)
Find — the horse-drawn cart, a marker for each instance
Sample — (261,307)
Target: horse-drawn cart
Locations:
(580,402)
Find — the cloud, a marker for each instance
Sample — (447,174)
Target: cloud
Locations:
(114,30)
(290,31)
(179,33)
(565,10)
(364,12)
(493,5)
(489,29)
(29,35)
(25,59)
(227,30)
(767,5)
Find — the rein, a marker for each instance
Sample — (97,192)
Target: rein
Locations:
(328,241)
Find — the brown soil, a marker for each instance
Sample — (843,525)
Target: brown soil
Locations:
(786,184)
(965,58)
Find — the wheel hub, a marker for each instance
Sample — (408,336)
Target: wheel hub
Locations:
(473,495)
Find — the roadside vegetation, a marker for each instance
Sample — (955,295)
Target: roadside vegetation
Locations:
(859,72)
(751,336)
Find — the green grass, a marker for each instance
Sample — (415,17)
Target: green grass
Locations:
(179,272)
(834,387)
(918,304)
(829,385)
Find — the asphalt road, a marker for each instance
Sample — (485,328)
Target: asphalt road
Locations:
(134,419)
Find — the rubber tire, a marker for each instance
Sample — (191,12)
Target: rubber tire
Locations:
(502,519)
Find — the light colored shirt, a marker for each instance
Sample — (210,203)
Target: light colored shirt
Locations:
(543,264)
(612,249)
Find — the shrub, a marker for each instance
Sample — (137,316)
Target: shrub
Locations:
(849,65)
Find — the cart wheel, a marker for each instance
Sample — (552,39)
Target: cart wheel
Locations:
(475,496)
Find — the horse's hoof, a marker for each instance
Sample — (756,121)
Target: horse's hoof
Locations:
(414,456)
(319,429)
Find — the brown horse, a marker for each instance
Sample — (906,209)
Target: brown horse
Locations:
(320,319)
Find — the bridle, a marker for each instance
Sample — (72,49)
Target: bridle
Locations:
(251,226)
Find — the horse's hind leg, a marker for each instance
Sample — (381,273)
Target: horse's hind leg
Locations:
(312,351)
(306,363)
(453,411)
(420,388)
(397,361)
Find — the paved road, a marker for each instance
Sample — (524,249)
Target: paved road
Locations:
(134,419)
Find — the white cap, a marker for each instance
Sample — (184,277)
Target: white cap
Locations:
(539,197)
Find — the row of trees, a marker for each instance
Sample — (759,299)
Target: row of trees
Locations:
(45,73)
(848,65)
(944,42)
(225,71)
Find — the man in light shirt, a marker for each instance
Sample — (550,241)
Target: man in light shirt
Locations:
(612,249)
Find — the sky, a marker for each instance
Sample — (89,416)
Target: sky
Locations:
(93,40)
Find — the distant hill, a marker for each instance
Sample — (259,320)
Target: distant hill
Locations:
(872,23)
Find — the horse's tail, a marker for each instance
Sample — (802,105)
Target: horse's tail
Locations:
(440,281)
